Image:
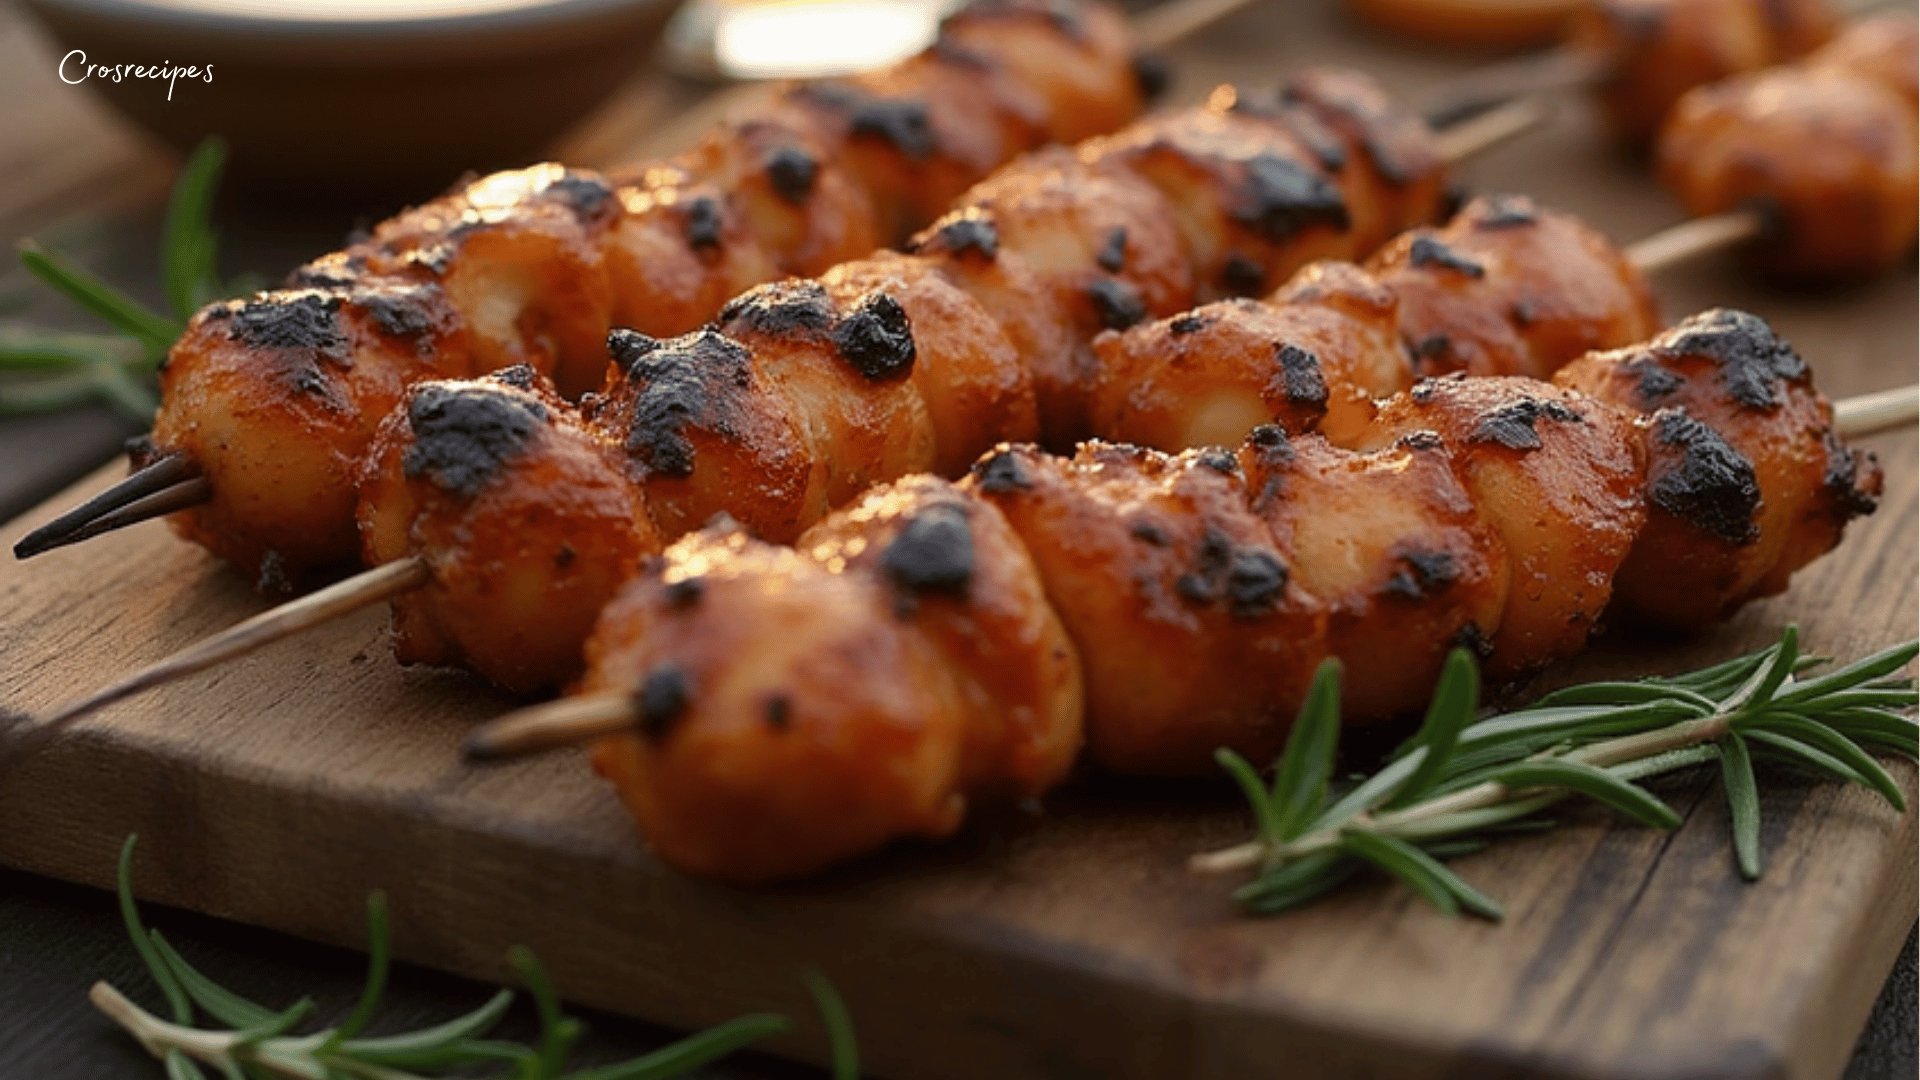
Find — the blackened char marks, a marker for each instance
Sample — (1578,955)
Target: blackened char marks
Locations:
(1515,424)
(692,380)
(305,321)
(1113,254)
(662,699)
(1183,325)
(401,313)
(1651,381)
(1299,377)
(704,223)
(780,309)
(1152,74)
(1283,198)
(1497,212)
(1002,471)
(462,435)
(588,196)
(1311,130)
(1711,487)
(1753,360)
(903,124)
(518,376)
(628,347)
(1473,639)
(1117,303)
(1429,251)
(877,338)
(1250,579)
(1220,460)
(1256,578)
(1852,477)
(1422,574)
(792,171)
(932,553)
(1242,276)
(971,232)
(1379,146)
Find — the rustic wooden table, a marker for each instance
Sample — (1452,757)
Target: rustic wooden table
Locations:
(83,182)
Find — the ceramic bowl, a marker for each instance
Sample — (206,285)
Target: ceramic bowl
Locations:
(339,99)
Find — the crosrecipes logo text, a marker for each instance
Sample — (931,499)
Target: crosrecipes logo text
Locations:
(74,70)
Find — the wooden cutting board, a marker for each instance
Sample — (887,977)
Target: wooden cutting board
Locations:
(1070,943)
(1065,944)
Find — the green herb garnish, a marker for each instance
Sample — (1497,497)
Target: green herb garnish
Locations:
(254,1042)
(42,369)
(1457,780)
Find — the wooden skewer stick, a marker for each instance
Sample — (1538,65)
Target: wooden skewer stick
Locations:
(1491,128)
(552,725)
(1691,239)
(375,585)
(171,483)
(1868,413)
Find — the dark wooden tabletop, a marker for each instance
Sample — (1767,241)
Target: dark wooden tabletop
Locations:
(83,182)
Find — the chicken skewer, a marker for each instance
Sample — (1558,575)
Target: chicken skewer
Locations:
(1511,288)
(279,443)
(765,712)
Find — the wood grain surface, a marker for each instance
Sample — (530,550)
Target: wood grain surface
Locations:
(1069,943)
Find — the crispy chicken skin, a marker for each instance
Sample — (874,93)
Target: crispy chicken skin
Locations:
(1654,51)
(1747,481)
(1826,149)
(524,518)
(803,705)
(1506,288)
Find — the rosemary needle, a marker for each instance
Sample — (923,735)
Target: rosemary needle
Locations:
(256,1042)
(1458,780)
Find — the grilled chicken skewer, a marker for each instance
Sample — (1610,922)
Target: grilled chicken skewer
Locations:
(774,710)
(1330,171)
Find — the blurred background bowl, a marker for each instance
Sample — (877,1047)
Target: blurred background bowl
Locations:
(352,100)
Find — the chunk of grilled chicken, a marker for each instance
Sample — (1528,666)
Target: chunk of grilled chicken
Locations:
(1654,51)
(800,706)
(1747,481)
(524,516)
(1826,148)
(1506,288)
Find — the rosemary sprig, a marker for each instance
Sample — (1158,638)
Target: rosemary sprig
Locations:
(42,370)
(255,1042)
(1457,780)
